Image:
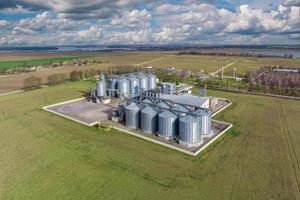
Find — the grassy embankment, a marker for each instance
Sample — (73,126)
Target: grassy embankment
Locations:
(43,156)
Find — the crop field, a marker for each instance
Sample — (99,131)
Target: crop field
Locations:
(212,63)
(4,65)
(158,59)
(44,156)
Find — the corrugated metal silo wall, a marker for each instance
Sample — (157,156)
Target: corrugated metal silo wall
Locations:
(101,89)
(132,118)
(124,87)
(143,82)
(205,121)
(189,130)
(134,86)
(151,81)
(167,125)
(148,120)
(112,84)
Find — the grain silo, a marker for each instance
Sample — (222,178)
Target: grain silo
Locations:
(132,116)
(124,87)
(112,85)
(167,88)
(189,134)
(143,82)
(151,81)
(101,89)
(149,120)
(167,125)
(204,116)
(134,86)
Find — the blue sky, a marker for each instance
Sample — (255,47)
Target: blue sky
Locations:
(56,22)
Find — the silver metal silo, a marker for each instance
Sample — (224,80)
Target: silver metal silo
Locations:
(204,116)
(189,134)
(112,84)
(143,82)
(124,87)
(151,81)
(167,88)
(101,89)
(132,116)
(148,120)
(167,125)
(134,86)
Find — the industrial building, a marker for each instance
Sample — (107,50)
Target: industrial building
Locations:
(160,111)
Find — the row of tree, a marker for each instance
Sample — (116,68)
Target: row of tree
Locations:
(269,80)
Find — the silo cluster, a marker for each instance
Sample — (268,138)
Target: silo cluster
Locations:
(169,121)
(130,85)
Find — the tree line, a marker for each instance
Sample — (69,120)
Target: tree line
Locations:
(282,81)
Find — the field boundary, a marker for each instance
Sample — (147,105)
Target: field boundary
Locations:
(223,108)
(174,147)
(45,108)
(191,153)
(257,93)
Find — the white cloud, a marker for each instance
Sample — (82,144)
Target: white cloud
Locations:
(121,22)
(45,22)
(3,23)
(133,19)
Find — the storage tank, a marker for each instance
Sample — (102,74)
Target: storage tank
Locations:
(204,116)
(102,77)
(112,84)
(101,89)
(189,134)
(143,82)
(182,111)
(124,87)
(132,116)
(167,125)
(148,120)
(167,88)
(151,81)
(134,86)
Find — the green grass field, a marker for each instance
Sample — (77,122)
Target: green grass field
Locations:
(44,156)
(4,65)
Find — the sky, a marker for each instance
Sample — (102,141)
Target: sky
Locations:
(107,22)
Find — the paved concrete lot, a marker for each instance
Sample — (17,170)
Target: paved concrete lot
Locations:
(221,104)
(89,113)
(85,111)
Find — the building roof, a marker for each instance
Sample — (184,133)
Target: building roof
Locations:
(185,99)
